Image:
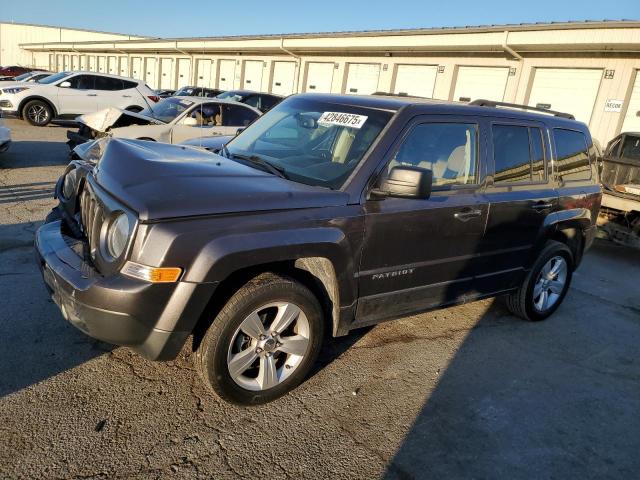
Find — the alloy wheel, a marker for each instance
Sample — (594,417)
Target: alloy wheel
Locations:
(550,283)
(38,113)
(268,346)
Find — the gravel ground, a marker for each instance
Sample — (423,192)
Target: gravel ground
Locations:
(469,391)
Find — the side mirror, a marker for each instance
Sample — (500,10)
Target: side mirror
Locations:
(406,182)
(190,122)
(64,84)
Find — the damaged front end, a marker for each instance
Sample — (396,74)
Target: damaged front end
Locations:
(98,124)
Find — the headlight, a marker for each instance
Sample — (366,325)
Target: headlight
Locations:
(14,90)
(69,184)
(117,235)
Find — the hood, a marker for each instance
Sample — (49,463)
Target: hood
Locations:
(161,181)
(103,120)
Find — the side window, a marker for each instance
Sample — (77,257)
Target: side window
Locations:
(126,84)
(449,150)
(106,83)
(518,154)
(572,153)
(631,147)
(207,115)
(82,82)
(269,102)
(235,116)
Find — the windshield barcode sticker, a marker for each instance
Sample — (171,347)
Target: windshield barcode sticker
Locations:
(342,119)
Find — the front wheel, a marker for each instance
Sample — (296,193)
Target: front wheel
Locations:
(37,113)
(546,285)
(263,342)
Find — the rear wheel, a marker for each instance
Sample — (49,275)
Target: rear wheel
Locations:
(546,285)
(37,113)
(263,342)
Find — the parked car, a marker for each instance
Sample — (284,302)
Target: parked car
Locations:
(68,94)
(165,93)
(33,76)
(13,71)
(5,137)
(330,212)
(620,176)
(261,101)
(173,120)
(198,92)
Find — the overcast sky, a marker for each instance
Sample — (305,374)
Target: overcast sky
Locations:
(170,18)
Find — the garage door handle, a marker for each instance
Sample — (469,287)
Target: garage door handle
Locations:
(466,215)
(542,206)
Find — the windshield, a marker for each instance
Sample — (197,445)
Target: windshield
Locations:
(168,109)
(312,142)
(230,96)
(24,76)
(55,77)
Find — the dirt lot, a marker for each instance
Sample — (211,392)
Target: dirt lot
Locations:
(464,392)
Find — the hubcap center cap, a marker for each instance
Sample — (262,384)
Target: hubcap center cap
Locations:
(268,345)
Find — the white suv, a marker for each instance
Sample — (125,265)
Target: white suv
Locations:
(68,94)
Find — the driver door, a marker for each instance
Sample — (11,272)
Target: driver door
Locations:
(423,253)
(80,97)
(202,120)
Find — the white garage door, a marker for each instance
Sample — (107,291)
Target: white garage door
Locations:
(124,66)
(92,64)
(415,80)
(362,78)
(102,64)
(166,73)
(283,78)
(203,79)
(184,65)
(570,90)
(487,83)
(227,74)
(253,75)
(151,72)
(136,68)
(66,62)
(84,63)
(112,65)
(75,65)
(319,77)
(631,119)
(59,65)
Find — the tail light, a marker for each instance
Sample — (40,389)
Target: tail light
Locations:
(154,98)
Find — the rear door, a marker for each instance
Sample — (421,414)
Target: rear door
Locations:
(521,195)
(112,92)
(419,254)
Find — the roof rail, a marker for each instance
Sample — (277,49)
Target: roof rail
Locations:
(491,103)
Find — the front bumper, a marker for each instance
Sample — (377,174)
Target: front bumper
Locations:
(115,309)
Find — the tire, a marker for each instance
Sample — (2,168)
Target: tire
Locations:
(265,369)
(38,113)
(528,302)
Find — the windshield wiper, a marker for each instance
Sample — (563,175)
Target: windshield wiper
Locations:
(271,168)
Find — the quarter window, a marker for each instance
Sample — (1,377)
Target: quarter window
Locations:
(518,154)
(449,150)
(572,153)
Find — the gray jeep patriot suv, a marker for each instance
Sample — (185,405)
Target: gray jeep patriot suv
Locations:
(328,213)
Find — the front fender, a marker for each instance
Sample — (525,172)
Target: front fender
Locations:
(227,254)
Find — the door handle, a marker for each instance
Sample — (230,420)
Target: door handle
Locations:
(467,214)
(126,96)
(542,206)
(92,94)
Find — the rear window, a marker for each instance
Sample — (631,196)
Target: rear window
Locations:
(518,154)
(572,155)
